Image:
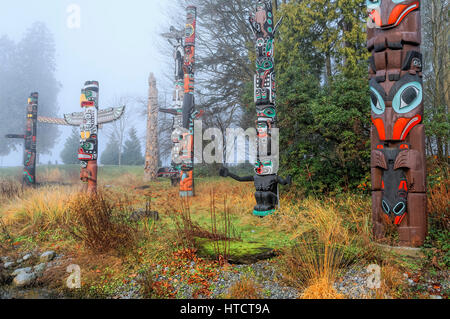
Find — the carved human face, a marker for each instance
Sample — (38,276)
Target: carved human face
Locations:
(390,13)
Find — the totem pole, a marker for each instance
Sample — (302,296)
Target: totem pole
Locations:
(266,179)
(398,137)
(88,121)
(87,153)
(188,111)
(29,161)
(151,148)
(174,172)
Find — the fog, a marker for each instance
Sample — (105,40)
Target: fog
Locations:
(116,43)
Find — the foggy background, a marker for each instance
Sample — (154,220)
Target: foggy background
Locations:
(118,44)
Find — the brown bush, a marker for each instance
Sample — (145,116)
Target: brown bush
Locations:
(101,227)
(439,203)
(245,288)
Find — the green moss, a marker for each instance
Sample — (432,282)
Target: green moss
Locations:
(239,251)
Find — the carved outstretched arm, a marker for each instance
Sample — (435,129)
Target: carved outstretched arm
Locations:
(224,172)
(285,181)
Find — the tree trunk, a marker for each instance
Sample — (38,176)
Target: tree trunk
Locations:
(151,149)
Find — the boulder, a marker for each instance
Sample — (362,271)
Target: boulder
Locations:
(39,269)
(20,270)
(24,279)
(47,256)
(8,264)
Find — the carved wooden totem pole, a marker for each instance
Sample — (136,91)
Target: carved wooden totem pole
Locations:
(151,149)
(266,179)
(398,136)
(29,161)
(88,121)
(188,111)
(175,37)
(88,152)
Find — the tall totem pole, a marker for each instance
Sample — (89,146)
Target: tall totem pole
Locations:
(188,110)
(398,165)
(151,147)
(88,121)
(266,179)
(88,151)
(175,37)
(29,161)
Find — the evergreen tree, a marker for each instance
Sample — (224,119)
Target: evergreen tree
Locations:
(25,67)
(110,155)
(69,154)
(132,152)
(322,94)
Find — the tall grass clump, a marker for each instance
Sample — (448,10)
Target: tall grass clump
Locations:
(9,189)
(323,245)
(101,226)
(245,288)
(39,209)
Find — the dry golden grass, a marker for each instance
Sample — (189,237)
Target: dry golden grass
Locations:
(50,175)
(245,288)
(321,288)
(39,209)
(323,232)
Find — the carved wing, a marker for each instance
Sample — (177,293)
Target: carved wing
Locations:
(110,115)
(52,120)
(74,119)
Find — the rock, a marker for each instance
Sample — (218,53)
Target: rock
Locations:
(26,257)
(39,269)
(435,297)
(19,261)
(47,256)
(9,264)
(24,279)
(20,270)
(5,259)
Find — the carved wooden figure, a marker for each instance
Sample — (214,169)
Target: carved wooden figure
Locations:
(29,160)
(266,180)
(398,165)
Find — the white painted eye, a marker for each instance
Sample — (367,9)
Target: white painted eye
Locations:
(408,96)
(376,101)
(371,4)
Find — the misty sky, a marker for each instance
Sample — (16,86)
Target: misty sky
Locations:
(116,44)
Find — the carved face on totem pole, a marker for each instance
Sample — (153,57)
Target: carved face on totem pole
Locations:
(188,111)
(396,98)
(262,23)
(87,152)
